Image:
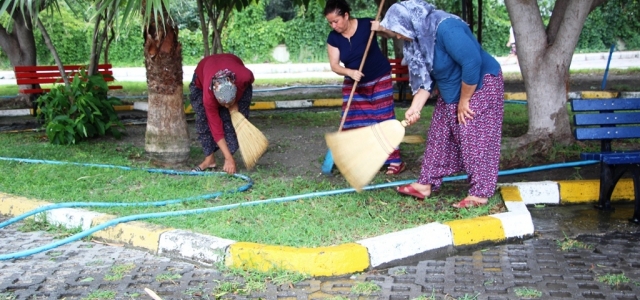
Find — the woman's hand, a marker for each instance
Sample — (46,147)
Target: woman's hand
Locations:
(375,26)
(464,112)
(356,75)
(232,106)
(412,115)
(229,166)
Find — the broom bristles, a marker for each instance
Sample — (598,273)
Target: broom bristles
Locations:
(413,139)
(253,144)
(360,153)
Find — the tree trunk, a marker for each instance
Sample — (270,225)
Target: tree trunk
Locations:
(204,27)
(54,53)
(167,137)
(96,45)
(545,56)
(20,46)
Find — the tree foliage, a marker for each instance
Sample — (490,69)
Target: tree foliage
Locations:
(305,35)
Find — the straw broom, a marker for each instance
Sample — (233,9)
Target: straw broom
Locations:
(329,159)
(360,153)
(253,144)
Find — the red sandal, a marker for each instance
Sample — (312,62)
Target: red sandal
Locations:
(396,169)
(468,203)
(409,190)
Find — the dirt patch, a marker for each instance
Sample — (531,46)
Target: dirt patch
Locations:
(296,150)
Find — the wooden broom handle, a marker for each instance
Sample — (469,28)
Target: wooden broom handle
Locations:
(364,57)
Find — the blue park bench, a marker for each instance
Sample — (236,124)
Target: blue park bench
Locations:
(607,120)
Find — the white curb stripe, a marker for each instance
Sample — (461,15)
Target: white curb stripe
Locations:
(516,224)
(629,94)
(15,112)
(188,245)
(294,104)
(516,207)
(542,192)
(402,244)
(71,217)
(143,106)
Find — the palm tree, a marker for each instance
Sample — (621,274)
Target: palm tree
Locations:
(167,136)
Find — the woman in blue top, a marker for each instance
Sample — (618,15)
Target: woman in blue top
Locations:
(466,127)
(372,100)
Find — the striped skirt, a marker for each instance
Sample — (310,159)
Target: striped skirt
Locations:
(372,103)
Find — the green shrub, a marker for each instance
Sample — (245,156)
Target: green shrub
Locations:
(306,37)
(81,112)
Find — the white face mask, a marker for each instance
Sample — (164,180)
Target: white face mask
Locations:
(224,90)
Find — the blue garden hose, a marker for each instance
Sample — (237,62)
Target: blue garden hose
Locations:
(245,187)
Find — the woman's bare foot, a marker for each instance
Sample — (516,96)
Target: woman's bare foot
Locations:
(471,201)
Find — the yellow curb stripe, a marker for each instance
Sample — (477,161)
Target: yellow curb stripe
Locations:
(263,105)
(14,205)
(598,94)
(327,102)
(582,191)
(510,193)
(123,107)
(322,261)
(136,234)
(476,230)
(515,96)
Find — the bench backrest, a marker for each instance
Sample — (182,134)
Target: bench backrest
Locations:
(398,71)
(606,119)
(27,75)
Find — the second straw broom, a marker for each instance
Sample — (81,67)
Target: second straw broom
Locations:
(253,144)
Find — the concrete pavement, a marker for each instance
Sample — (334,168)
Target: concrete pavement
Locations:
(96,270)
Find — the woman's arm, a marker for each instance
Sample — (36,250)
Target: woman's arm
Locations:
(412,114)
(383,32)
(334,62)
(229,162)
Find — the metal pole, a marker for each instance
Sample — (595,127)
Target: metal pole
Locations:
(606,70)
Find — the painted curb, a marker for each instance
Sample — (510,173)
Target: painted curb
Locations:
(337,260)
(317,103)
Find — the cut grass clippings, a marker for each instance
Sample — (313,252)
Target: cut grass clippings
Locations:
(307,222)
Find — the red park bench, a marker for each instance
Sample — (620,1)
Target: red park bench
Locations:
(26,75)
(400,75)
(30,75)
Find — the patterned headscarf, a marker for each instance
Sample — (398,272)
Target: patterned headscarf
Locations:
(226,91)
(418,20)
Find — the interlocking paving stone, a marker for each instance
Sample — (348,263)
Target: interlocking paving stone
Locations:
(75,270)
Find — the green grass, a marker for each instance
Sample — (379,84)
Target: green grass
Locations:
(365,288)
(117,272)
(613,279)
(527,292)
(100,295)
(310,222)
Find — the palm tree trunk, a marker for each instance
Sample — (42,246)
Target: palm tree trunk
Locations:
(167,137)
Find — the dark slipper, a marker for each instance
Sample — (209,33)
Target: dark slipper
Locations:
(409,190)
(468,203)
(396,169)
(198,169)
